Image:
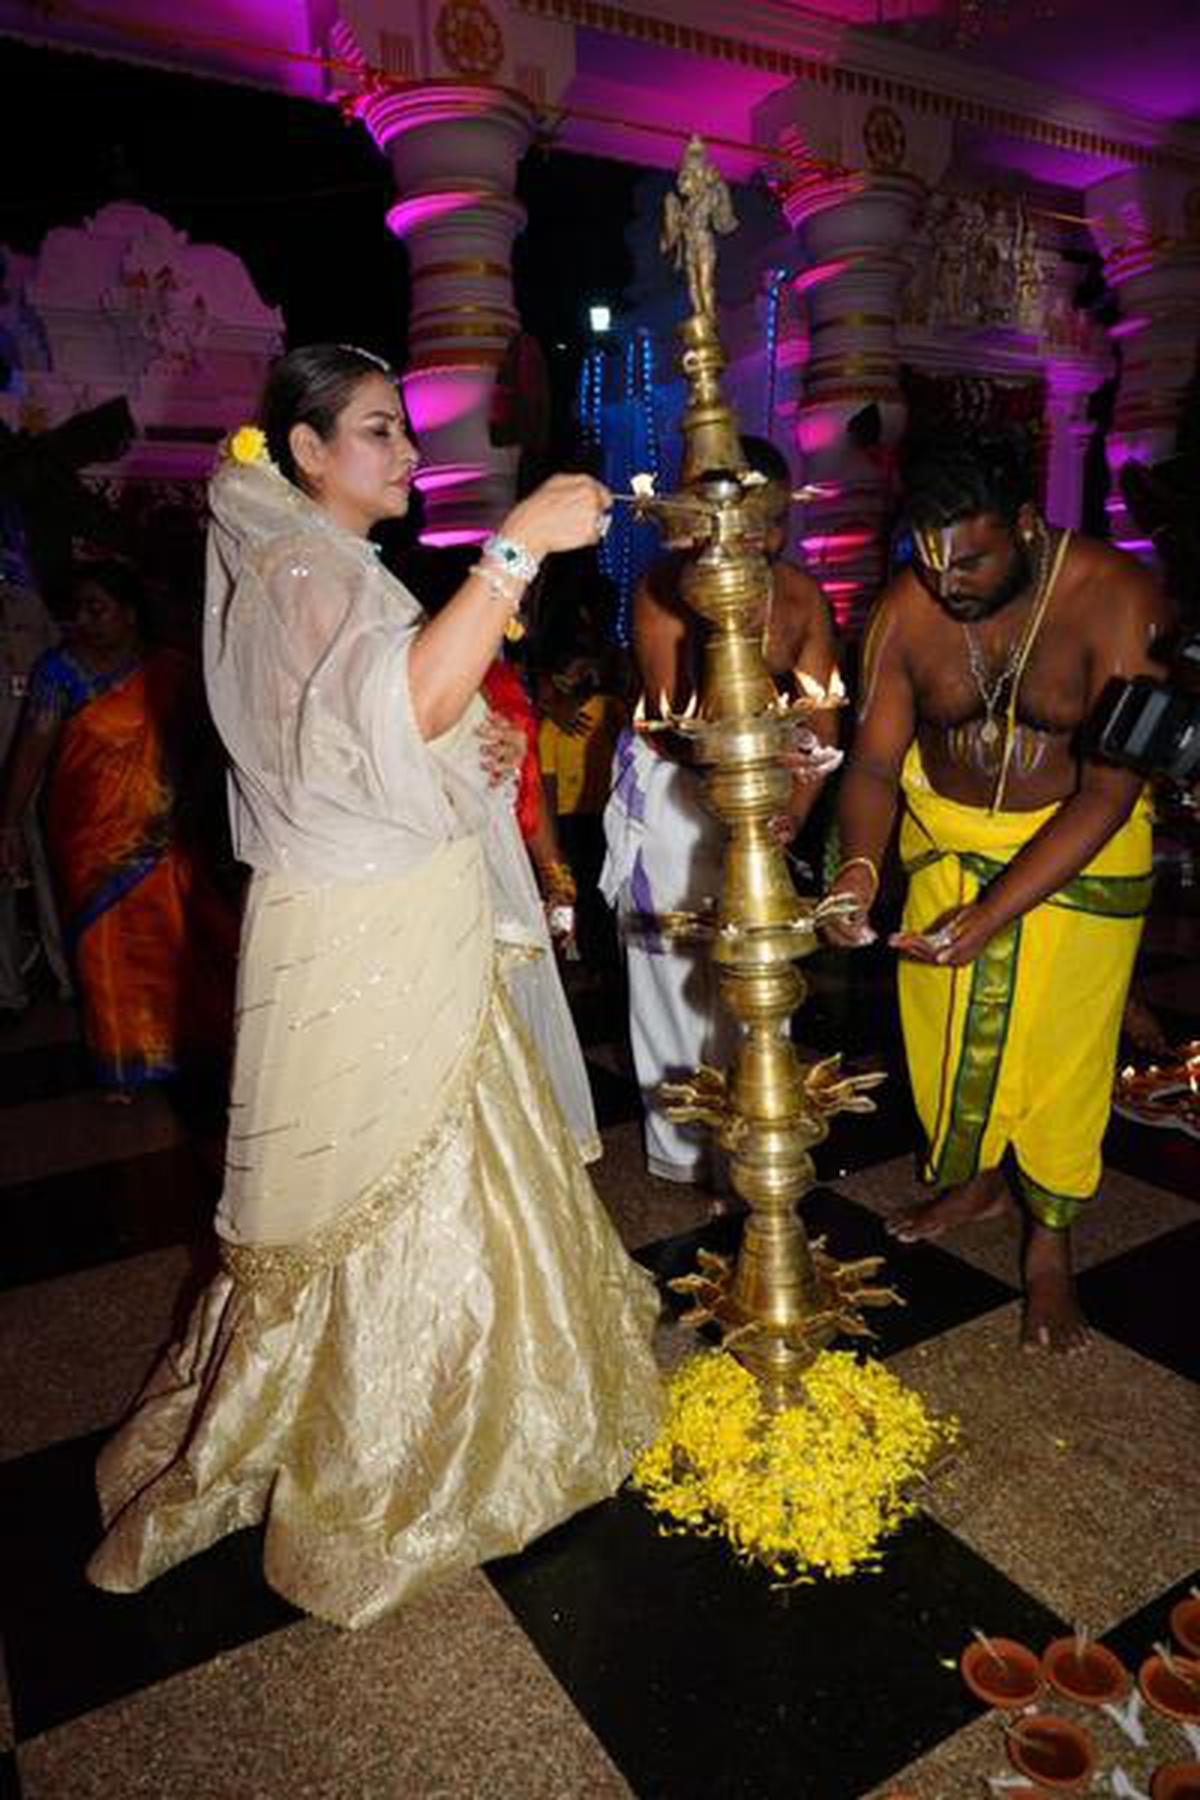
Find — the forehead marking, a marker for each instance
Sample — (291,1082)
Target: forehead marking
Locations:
(935,548)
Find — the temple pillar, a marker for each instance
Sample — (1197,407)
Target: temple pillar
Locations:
(1147,225)
(853,178)
(851,289)
(454,150)
(1069,386)
(450,91)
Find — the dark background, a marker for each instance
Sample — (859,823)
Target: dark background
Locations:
(296,192)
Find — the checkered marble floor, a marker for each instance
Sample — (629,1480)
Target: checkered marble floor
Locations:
(607,1660)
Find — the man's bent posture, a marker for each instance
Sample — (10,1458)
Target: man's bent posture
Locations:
(1028,864)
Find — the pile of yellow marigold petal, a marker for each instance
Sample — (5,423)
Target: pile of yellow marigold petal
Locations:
(810,1491)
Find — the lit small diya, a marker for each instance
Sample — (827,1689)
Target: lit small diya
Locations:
(1053,1752)
(1085,1671)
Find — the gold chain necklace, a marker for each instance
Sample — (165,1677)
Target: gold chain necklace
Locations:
(994,689)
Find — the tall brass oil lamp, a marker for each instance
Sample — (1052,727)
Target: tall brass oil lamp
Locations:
(783,1299)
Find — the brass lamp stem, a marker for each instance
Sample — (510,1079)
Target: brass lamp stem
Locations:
(784,1300)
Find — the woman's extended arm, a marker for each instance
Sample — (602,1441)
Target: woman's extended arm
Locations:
(452,653)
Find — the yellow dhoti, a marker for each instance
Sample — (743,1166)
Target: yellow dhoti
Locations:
(1017,1050)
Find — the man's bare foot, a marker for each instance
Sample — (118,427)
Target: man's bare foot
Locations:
(983,1197)
(1053,1320)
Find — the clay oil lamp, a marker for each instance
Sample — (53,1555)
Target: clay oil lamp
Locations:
(1001,1672)
(1176,1781)
(1185,1622)
(1171,1684)
(1053,1753)
(1084,1671)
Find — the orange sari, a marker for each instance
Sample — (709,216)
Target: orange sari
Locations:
(153,940)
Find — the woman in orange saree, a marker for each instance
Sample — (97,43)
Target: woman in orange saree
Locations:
(152,940)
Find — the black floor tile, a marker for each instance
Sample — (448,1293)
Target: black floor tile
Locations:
(939,1290)
(859,1140)
(1166,1159)
(10,1781)
(1146,1298)
(71,1648)
(43,1072)
(97,1215)
(701,1678)
(1135,1637)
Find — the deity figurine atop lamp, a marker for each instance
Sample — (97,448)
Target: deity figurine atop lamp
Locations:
(699,207)
(785,1299)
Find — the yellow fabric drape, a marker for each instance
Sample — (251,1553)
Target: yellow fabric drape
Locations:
(1017,1049)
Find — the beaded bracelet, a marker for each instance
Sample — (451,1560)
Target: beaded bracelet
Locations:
(507,568)
(501,587)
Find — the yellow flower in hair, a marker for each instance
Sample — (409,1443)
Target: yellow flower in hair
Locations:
(248,445)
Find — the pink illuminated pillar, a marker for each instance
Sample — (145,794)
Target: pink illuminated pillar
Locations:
(1142,224)
(853,231)
(1069,385)
(454,149)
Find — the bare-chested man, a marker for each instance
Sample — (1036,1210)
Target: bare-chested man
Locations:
(664,845)
(1028,862)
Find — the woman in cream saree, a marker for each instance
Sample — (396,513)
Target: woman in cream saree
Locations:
(426,1345)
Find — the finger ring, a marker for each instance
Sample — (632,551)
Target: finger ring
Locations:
(602,524)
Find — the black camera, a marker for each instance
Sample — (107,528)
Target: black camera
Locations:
(1154,726)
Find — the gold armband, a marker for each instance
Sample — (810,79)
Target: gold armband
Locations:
(860,862)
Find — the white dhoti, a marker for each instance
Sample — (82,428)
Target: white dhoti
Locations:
(663,855)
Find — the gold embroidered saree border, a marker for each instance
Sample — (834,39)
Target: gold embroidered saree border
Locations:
(291,1265)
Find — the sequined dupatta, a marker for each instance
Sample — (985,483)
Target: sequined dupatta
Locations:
(359,1011)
